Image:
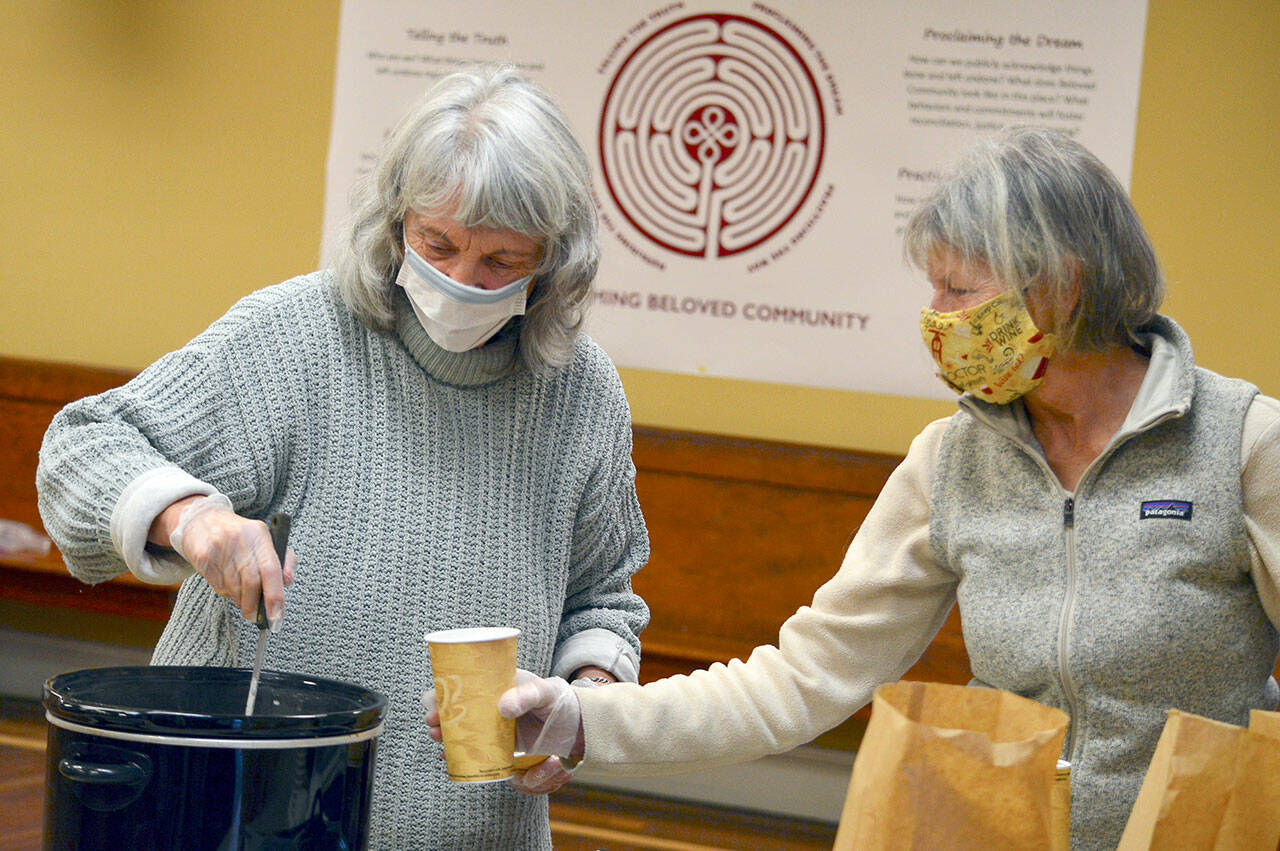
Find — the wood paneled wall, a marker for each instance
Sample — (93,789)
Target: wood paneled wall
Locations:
(742,531)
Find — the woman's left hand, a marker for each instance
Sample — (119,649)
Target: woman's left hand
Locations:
(550,774)
(543,778)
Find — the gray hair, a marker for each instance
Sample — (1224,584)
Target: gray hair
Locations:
(1039,209)
(499,147)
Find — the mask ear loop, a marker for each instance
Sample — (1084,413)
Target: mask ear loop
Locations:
(539,275)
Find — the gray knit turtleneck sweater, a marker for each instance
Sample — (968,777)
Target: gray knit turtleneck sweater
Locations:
(428,489)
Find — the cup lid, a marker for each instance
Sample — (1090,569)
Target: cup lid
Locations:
(472,634)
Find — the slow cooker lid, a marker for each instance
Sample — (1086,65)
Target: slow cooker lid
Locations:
(210,702)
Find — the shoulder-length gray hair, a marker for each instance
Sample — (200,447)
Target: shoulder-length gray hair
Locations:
(499,147)
(1039,209)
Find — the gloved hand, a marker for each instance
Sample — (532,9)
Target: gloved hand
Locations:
(235,556)
(548,717)
(547,722)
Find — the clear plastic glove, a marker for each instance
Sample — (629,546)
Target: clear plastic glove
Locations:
(18,537)
(546,777)
(235,556)
(548,716)
(431,715)
(532,695)
(543,778)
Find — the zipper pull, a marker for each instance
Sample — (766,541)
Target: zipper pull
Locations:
(1069,512)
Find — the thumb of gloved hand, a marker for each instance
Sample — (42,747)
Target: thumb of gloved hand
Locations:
(548,716)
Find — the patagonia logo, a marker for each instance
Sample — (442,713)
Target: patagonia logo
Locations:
(1170,509)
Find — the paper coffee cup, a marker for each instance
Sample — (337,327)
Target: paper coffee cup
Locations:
(472,667)
(1060,807)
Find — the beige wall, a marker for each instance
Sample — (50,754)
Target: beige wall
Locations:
(161,159)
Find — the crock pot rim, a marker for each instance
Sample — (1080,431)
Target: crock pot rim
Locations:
(363,708)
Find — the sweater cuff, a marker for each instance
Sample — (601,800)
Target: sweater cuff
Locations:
(599,648)
(142,501)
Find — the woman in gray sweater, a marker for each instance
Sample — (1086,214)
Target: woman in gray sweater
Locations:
(1105,513)
(452,450)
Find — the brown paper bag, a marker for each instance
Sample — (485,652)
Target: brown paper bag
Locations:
(953,767)
(1210,785)
(1264,723)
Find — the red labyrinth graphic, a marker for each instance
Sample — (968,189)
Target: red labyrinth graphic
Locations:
(712,135)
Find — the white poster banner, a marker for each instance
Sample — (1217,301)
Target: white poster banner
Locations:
(754,162)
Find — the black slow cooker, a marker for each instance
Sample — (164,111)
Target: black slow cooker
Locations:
(164,757)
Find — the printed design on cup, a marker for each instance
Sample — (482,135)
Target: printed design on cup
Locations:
(470,674)
(453,701)
(477,742)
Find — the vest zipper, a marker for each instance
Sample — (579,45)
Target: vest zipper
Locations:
(1064,623)
(1068,524)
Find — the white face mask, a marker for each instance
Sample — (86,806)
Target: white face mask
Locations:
(458,317)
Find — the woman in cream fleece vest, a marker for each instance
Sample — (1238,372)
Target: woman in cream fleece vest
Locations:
(1105,513)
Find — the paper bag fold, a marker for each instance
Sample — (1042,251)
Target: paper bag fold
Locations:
(1210,785)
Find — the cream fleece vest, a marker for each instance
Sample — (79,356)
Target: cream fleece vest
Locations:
(1116,603)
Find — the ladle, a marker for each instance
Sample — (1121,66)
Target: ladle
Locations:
(280,539)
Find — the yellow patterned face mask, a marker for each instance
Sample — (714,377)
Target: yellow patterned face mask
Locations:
(993,350)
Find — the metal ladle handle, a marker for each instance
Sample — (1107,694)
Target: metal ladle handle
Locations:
(279,525)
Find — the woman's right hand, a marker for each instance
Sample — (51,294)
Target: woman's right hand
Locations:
(548,716)
(234,554)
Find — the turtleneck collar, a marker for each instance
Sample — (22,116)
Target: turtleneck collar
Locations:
(1166,390)
(494,360)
